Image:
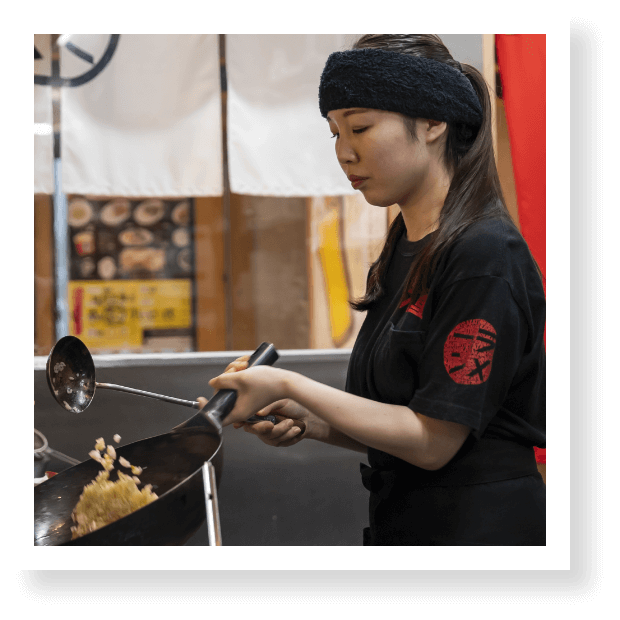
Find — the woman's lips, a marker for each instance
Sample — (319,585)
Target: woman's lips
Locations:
(357,181)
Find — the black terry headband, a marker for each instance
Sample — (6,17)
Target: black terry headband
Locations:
(412,85)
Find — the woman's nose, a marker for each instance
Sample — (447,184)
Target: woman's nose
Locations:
(345,153)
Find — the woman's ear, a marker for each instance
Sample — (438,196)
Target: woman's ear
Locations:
(433,130)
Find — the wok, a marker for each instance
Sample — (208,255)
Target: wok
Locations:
(184,467)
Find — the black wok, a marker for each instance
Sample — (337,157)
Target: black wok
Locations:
(173,463)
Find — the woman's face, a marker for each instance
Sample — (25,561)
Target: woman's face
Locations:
(377,146)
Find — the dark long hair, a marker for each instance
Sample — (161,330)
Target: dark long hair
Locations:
(475,192)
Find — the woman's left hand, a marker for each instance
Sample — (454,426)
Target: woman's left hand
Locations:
(256,387)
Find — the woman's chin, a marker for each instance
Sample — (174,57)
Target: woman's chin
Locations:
(375,201)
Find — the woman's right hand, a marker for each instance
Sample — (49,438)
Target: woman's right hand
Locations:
(293,422)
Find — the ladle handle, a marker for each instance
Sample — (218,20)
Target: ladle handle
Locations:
(171,399)
(168,399)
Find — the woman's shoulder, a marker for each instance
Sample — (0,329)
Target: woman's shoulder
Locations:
(489,237)
(488,247)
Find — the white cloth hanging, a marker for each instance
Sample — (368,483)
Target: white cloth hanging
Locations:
(149,122)
(278,142)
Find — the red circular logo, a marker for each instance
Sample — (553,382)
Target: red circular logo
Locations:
(468,352)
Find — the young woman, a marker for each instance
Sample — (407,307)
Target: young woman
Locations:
(445,389)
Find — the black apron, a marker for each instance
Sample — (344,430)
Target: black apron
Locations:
(489,494)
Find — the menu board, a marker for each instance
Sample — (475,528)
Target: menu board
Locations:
(122,239)
(131,274)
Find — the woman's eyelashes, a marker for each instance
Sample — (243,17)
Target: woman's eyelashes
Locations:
(361,130)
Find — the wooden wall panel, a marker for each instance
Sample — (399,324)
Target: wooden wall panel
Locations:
(44,297)
(269,272)
(280,272)
(210,275)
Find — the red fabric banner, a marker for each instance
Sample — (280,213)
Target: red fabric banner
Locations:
(522,67)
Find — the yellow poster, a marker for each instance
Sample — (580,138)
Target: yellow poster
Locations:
(112,315)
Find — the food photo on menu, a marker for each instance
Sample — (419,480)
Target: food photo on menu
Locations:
(124,240)
(128,259)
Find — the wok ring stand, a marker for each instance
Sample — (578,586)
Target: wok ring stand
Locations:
(211,505)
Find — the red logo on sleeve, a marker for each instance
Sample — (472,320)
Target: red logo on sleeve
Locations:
(468,352)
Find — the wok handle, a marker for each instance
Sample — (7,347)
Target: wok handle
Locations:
(223,401)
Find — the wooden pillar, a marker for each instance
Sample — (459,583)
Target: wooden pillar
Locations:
(210,280)
(501,143)
(44,298)
(489,68)
(242,292)
(504,163)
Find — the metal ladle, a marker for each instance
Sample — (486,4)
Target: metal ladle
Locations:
(70,372)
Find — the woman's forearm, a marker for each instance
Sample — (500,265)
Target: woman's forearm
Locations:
(394,429)
(334,437)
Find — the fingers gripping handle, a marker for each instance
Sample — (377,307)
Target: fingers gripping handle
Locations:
(223,401)
(299,423)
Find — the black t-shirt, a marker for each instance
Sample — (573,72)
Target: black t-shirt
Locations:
(470,351)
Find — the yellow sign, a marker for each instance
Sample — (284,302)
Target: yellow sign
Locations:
(114,314)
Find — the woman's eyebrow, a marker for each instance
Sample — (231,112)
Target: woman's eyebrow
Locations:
(349,112)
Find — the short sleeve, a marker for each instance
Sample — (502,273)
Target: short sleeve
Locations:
(473,346)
